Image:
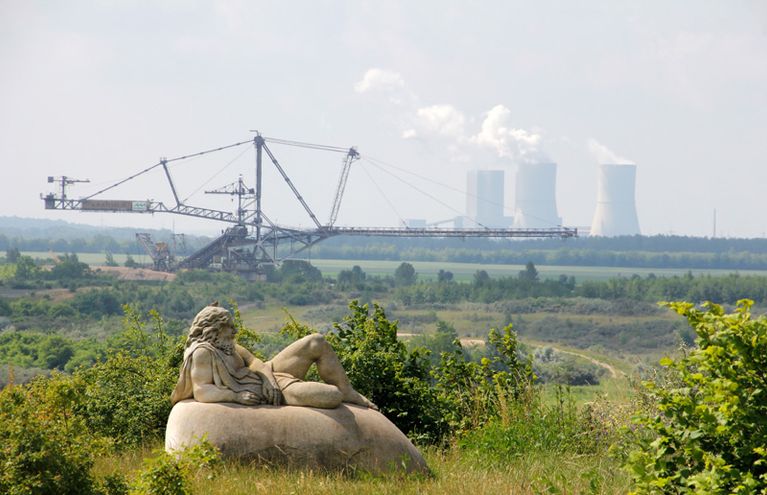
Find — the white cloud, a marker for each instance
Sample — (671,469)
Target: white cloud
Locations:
(603,154)
(445,122)
(379,80)
(442,120)
(509,142)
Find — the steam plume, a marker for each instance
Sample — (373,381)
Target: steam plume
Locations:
(603,154)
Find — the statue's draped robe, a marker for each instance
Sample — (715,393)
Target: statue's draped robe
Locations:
(262,383)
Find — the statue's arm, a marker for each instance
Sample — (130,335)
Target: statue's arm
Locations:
(202,382)
(251,361)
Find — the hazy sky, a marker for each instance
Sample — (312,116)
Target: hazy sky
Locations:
(100,90)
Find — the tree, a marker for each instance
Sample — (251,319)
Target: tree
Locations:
(357,274)
(299,271)
(12,255)
(481,278)
(70,267)
(26,268)
(110,259)
(354,278)
(530,273)
(405,274)
(5,308)
(443,340)
(130,262)
(444,276)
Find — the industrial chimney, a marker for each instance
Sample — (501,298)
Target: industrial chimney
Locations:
(484,199)
(616,209)
(535,196)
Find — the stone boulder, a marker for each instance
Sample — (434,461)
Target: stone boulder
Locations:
(347,437)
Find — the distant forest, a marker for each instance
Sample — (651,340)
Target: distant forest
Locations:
(659,251)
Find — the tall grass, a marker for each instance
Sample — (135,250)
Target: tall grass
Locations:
(453,473)
(537,445)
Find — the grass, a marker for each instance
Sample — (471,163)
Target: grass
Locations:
(93,259)
(621,367)
(453,472)
(614,390)
(427,270)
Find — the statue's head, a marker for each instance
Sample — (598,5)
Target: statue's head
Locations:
(208,324)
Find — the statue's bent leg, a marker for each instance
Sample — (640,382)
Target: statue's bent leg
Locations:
(296,359)
(312,394)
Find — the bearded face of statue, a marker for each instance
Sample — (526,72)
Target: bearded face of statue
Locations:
(214,325)
(224,339)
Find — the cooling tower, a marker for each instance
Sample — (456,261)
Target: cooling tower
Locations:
(484,201)
(616,209)
(535,205)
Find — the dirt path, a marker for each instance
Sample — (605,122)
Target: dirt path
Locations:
(614,373)
(124,273)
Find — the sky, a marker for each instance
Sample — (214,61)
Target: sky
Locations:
(425,91)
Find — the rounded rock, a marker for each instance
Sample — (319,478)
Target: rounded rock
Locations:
(347,437)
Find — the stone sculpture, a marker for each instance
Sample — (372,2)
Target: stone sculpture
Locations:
(216,369)
(265,410)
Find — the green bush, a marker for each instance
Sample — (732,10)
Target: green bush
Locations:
(170,474)
(162,475)
(427,402)
(531,424)
(707,431)
(45,447)
(127,396)
(381,368)
(564,369)
(477,392)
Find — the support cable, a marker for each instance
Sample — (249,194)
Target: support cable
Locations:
(460,213)
(507,208)
(391,205)
(245,150)
(313,146)
(446,186)
(166,161)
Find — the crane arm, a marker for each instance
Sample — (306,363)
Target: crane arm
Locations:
(350,157)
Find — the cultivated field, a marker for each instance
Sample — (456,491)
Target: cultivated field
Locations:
(428,270)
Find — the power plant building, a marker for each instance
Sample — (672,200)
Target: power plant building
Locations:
(535,203)
(616,213)
(484,199)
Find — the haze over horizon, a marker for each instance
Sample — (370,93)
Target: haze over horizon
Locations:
(426,91)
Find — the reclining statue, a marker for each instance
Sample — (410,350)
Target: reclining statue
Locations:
(245,407)
(217,369)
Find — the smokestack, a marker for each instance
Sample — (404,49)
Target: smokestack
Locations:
(616,209)
(535,199)
(484,201)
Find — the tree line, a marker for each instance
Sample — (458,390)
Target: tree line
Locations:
(628,251)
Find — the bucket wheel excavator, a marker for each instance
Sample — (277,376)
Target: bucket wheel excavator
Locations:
(253,241)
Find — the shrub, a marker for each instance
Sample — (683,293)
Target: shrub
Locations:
(708,430)
(45,448)
(563,369)
(428,403)
(126,397)
(170,474)
(162,475)
(532,425)
(381,368)
(477,392)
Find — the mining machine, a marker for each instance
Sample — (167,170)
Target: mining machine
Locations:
(253,241)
